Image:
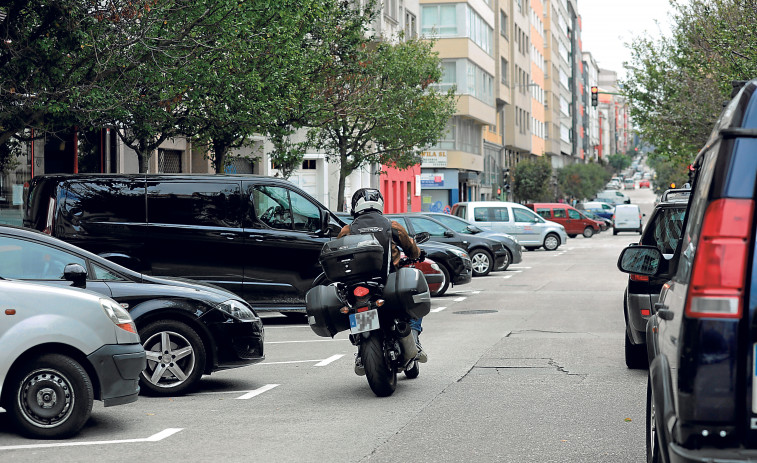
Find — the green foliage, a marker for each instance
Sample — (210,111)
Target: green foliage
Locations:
(677,84)
(532,180)
(379,107)
(618,161)
(666,172)
(582,180)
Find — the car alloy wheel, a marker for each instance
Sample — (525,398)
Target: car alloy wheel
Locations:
(506,263)
(175,358)
(588,232)
(482,263)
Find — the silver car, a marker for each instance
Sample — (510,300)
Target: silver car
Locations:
(63,348)
(531,231)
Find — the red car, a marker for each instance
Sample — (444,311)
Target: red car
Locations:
(644,184)
(434,276)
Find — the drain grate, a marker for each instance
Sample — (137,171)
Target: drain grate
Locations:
(474,312)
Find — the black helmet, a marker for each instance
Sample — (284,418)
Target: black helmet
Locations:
(367,199)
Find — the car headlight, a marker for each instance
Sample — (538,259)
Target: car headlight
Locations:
(237,310)
(118,315)
(460,253)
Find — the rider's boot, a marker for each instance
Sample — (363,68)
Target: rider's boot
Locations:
(422,357)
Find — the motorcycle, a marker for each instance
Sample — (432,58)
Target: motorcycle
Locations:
(376,309)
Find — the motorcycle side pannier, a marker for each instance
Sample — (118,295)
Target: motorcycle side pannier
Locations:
(407,289)
(352,258)
(322,306)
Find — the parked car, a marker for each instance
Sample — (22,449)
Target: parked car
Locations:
(604,223)
(613,197)
(515,250)
(701,339)
(485,254)
(598,207)
(259,237)
(531,231)
(454,263)
(569,217)
(627,217)
(63,349)
(187,328)
(663,230)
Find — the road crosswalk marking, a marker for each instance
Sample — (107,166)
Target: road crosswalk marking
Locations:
(438,309)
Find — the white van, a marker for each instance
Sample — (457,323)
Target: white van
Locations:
(627,217)
(515,219)
(613,197)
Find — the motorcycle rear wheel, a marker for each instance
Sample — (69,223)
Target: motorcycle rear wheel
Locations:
(381,375)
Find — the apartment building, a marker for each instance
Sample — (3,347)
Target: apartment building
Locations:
(464,33)
(614,134)
(591,114)
(537,84)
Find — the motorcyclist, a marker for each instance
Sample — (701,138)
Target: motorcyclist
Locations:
(367,211)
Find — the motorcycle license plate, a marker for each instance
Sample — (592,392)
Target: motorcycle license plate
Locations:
(364,321)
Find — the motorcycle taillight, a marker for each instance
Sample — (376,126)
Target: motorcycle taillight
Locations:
(361,291)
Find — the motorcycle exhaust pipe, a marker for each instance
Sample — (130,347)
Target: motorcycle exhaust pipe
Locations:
(402,327)
(407,341)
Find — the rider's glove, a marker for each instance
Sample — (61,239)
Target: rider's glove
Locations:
(422,257)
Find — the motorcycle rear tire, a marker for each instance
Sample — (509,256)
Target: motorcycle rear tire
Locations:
(381,375)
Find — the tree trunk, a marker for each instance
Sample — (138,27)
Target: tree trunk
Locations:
(343,172)
(220,148)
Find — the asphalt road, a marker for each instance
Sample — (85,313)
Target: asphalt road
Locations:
(524,366)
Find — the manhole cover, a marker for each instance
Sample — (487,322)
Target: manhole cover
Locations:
(474,312)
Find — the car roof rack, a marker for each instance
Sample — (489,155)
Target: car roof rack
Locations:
(676,195)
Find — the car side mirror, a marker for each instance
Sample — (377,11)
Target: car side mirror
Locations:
(640,260)
(422,237)
(448,234)
(325,222)
(473,229)
(76,274)
(535,220)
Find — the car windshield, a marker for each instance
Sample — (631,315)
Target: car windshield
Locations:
(455,223)
(666,229)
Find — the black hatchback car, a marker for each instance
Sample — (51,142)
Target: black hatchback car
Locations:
(187,328)
(702,337)
(485,254)
(663,230)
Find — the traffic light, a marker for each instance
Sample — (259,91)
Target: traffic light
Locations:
(594,96)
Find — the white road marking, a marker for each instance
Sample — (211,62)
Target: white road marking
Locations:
(154,438)
(257,391)
(518,268)
(310,340)
(438,309)
(290,361)
(325,362)
(507,276)
(517,271)
(459,299)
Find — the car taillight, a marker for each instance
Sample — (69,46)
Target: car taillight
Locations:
(635,277)
(719,272)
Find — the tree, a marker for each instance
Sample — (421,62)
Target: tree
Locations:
(668,172)
(619,161)
(677,84)
(532,180)
(582,180)
(379,106)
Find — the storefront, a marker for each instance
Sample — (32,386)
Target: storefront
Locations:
(439,189)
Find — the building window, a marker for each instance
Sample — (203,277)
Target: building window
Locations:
(439,20)
(169,161)
(390,9)
(503,23)
(309,164)
(410,26)
(503,70)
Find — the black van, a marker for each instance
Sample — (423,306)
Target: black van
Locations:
(257,236)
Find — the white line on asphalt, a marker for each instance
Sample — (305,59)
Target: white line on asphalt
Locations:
(459,299)
(257,391)
(438,309)
(517,268)
(154,438)
(310,340)
(325,362)
(290,361)
(507,276)
(517,271)
(268,327)
(476,292)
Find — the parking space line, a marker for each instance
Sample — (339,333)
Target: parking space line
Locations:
(310,340)
(154,438)
(518,268)
(459,299)
(288,362)
(438,309)
(257,391)
(325,362)
(517,271)
(507,276)
(476,292)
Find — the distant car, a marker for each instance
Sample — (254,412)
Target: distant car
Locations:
(604,222)
(644,184)
(485,254)
(613,185)
(63,349)
(629,184)
(454,263)
(569,217)
(187,328)
(600,208)
(613,197)
(461,225)
(627,217)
